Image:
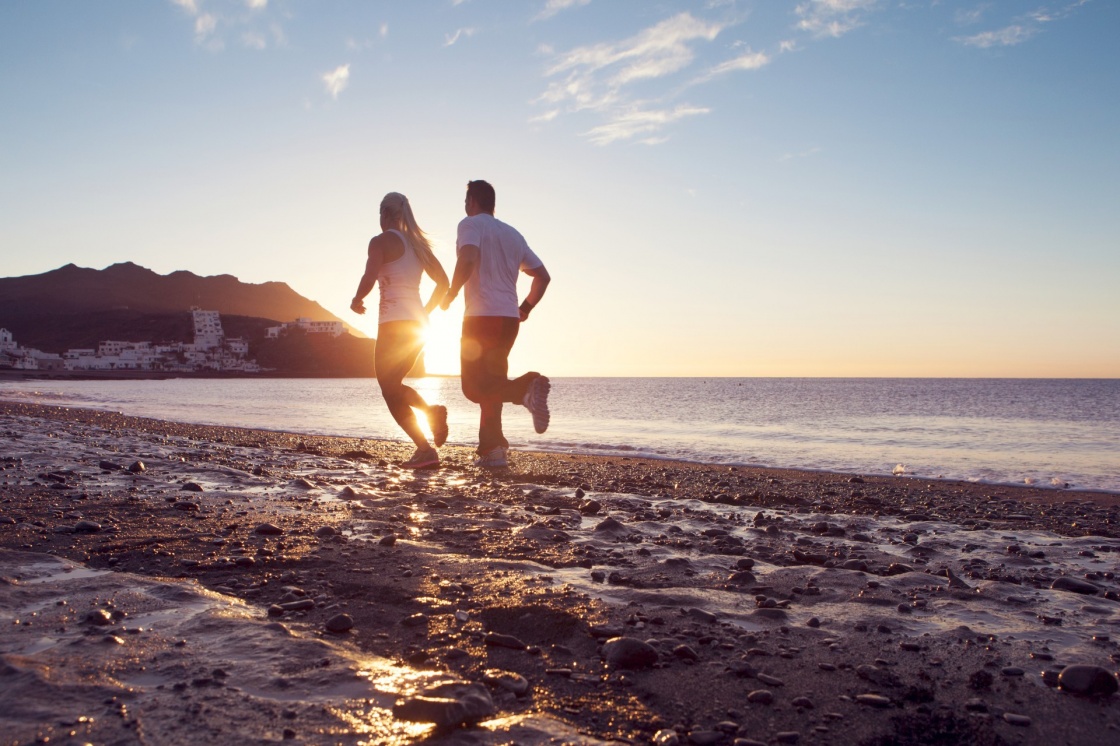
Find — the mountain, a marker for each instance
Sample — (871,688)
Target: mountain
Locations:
(78,307)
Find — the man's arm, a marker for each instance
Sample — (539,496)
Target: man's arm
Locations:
(465,266)
(541,278)
(440,277)
(373,266)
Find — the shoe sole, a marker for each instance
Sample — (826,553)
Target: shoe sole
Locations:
(438,424)
(538,398)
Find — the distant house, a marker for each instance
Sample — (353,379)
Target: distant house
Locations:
(333,328)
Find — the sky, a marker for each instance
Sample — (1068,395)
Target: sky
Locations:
(725,188)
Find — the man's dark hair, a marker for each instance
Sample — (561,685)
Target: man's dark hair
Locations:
(483,195)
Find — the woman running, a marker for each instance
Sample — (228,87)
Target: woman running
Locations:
(397,259)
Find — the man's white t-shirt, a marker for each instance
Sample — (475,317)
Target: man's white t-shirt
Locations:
(502,253)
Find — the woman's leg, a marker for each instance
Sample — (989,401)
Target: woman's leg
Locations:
(398,346)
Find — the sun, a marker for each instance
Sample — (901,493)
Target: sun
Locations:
(441,342)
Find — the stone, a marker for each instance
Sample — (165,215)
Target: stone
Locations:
(191,487)
(1074,585)
(702,615)
(137,467)
(496,639)
(325,532)
(304,604)
(387,541)
(629,652)
(610,525)
(665,737)
(590,507)
(1013,719)
(787,736)
(110,466)
(268,529)
(1086,679)
(803,703)
(686,653)
(447,706)
(508,680)
(340,623)
(245,562)
(770,680)
(760,697)
(873,700)
(86,527)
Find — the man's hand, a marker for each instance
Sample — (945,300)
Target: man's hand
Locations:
(448,299)
(357,306)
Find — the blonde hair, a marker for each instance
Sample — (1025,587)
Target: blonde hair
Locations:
(396,208)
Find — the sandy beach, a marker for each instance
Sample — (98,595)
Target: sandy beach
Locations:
(165,583)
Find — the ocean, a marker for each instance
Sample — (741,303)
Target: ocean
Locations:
(1051,433)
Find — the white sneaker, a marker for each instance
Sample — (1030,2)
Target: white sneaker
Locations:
(493,459)
(536,400)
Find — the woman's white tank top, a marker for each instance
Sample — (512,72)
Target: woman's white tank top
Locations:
(400,286)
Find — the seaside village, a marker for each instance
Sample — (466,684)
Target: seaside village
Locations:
(211,351)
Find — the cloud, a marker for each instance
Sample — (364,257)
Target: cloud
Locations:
(253,40)
(602,78)
(256,4)
(552,7)
(337,80)
(834,18)
(746,61)
(548,116)
(450,39)
(383,30)
(1021,28)
(204,25)
(188,5)
(638,121)
(1004,37)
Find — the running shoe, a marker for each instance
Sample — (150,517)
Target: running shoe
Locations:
(437,421)
(536,400)
(493,459)
(423,459)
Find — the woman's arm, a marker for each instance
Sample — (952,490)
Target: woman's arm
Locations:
(375,258)
(440,277)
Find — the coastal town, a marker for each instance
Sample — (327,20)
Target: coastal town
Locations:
(210,352)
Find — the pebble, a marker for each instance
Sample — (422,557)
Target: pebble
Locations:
(109,466)
(684,652)
(86,527)
(508,680)
(191,487)
(245,562)
(304,604)
(610,525)
(665,737)
(268,529)
(760,697)
(136,467)
(770,680)
(499,640)
(325,532)
(804,703)
(1086,679)
(1075,585)
(873,700)
(590,507)
(340,623)
(387,541)
(702,615)
(447,706)
(629,652)
(1013,719)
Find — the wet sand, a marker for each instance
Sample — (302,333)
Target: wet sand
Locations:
(188,599)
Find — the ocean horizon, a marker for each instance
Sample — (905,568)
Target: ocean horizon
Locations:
(1060,433)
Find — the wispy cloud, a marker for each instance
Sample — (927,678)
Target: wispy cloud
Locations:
(832,18)
(257,4)
(215,21)
(746,61)
(625,126)
(1021,28)
(602,78)
(253,40)
(1004,37)
(552,7)
(337,80)
(450,39)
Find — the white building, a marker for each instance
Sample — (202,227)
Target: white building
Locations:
(207,328)
(333,328)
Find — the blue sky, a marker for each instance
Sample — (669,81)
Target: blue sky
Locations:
(829,187)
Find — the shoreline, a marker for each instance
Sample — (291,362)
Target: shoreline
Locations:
(780,606)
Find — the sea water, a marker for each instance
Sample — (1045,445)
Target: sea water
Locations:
(1057,433)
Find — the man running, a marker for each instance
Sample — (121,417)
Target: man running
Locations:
(490,254)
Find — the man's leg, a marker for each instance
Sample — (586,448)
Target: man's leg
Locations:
(486,343)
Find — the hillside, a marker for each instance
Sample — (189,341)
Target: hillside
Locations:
(78,307)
